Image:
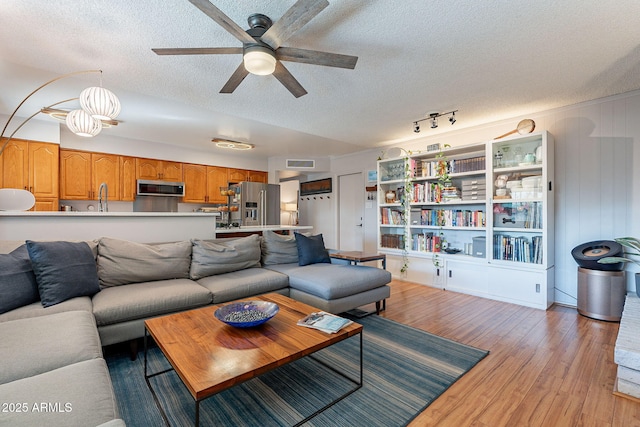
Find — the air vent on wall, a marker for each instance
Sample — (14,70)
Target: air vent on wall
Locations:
(300,164)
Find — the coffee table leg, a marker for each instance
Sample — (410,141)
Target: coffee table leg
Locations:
(197,413)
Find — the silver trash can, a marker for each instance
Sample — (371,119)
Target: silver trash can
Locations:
(601,294)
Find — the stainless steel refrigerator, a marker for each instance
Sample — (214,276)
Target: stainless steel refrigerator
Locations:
(259,203)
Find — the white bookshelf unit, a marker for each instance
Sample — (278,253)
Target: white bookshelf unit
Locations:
(487,231)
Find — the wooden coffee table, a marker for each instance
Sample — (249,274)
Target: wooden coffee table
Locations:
(209,356)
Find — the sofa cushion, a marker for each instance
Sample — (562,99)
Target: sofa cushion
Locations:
(32,346)
(63,270)
(121,262)
(331,281)
(18,284)
(311,249)
(243,284)
(210,257)
(80,395)
(278,248)
(148,299)
(37,310)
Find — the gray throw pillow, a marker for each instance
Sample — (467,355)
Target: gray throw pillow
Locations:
(63,270)
(311,250)
(216,257)
(121,262)
(278,248)
(18,284)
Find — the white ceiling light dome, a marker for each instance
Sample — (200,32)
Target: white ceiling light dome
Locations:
(101,103)
(259,60)
(83,124)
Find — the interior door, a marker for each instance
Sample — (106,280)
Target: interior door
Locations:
(351,212)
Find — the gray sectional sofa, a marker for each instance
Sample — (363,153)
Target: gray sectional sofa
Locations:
(61,302)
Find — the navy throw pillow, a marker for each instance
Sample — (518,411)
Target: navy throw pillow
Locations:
(63,270)
(18,286)
(311,249)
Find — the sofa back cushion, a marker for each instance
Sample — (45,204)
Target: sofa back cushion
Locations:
(121,262)
(212,257)
(18,284)
(63,270)
(278,248)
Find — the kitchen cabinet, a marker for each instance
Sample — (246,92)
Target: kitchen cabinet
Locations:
(158,170)
(32,166)
(257,176)
(82,173)
(236,175)
(127,178)
(202,183)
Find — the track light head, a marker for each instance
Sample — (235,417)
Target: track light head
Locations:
(452,119)
(433,118)
(416,127)
(434,122)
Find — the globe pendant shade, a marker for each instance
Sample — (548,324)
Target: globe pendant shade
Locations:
(82,124)
(100,103)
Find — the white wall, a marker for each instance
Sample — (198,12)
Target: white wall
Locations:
(597,168)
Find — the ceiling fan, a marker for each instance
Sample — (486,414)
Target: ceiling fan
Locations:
(262,48)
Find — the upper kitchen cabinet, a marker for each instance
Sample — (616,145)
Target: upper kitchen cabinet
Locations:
(82,173)
(32,166)
(158,170)
(195,183)
(236,175)
(127,178)
(258,176)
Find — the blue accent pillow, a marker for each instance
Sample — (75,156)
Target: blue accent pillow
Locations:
(63,270)
(311,249)
(18,286)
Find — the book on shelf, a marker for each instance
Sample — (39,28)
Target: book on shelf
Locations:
(325,322)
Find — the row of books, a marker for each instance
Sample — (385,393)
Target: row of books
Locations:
(450,217)
(425,242)
(524,214)
(391,216)
(392,241)
(433,168)
(431,192)
(521,249)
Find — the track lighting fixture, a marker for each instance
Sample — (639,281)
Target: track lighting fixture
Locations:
(433,117)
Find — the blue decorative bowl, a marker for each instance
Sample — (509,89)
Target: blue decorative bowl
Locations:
(245,314)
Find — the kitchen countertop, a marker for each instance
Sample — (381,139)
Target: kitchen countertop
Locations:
(103,214)
(262,228)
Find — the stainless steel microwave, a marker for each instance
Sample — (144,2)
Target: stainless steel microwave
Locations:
(160,188)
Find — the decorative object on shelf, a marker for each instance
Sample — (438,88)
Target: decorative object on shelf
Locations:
(262,48)
(247,314)
(433,118)
(524,126)
(232,145)
(97,103)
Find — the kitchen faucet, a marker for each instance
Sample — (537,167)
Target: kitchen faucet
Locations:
(103,207)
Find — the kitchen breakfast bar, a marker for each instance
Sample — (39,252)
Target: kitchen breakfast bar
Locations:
(135,226)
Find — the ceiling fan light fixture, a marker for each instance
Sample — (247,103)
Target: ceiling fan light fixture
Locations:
(100,103)
(259,60)
(83,124)
(232,145)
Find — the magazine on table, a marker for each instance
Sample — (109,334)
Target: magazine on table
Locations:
(325,322)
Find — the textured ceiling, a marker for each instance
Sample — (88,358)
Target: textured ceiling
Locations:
(491,60)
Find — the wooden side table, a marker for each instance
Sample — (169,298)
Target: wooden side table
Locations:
(356,257)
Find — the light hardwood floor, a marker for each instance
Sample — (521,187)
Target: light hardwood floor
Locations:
(545,368)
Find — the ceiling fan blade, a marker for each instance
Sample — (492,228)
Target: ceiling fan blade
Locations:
(288,81)
(295,18)
(236,78)
(306,56)
(197,50)
(223,20)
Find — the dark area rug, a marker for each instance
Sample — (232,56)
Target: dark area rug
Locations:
(405,369)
